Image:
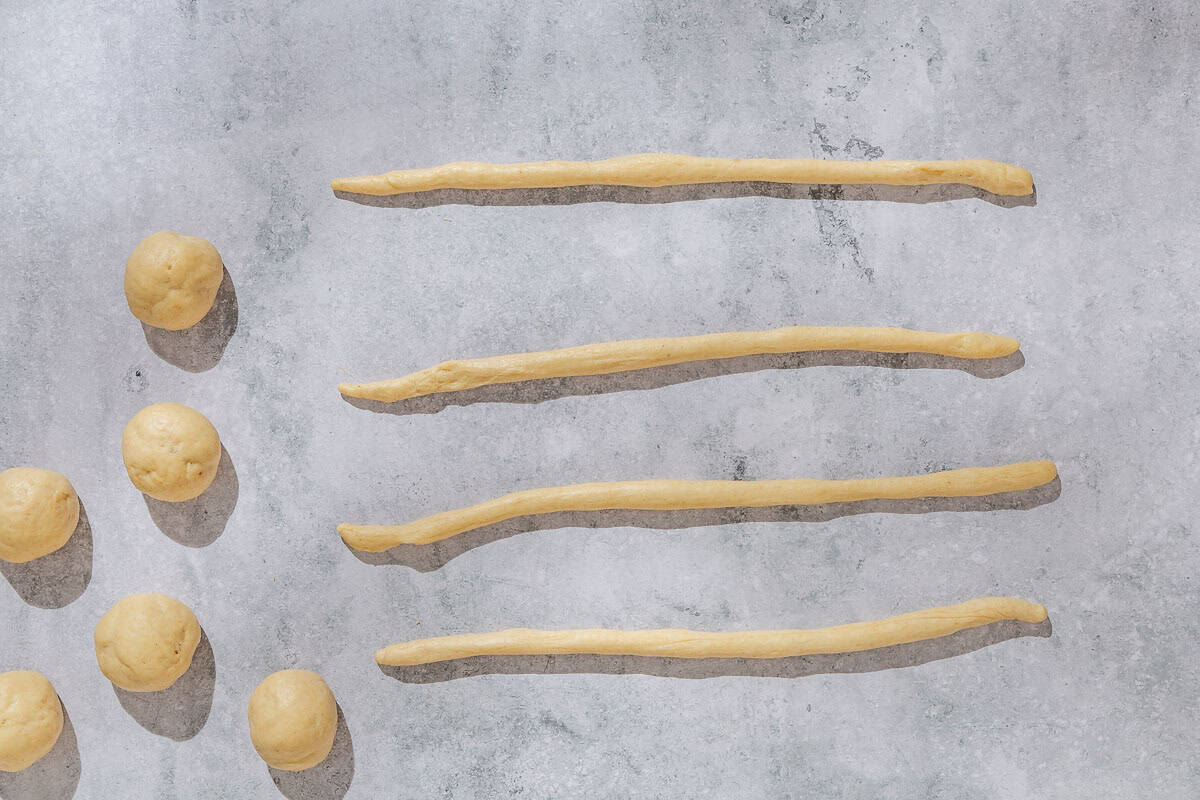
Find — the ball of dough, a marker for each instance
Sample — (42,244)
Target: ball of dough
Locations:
(171,280)
(31,718)
(293,719)
(171,451)
(146,642)
(38,513)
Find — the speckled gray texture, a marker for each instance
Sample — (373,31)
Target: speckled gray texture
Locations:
(226,120)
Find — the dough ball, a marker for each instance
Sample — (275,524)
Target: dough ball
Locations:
(31,718)
(171,452)
(38,513)
(293,719)
(171,280)
(146,642)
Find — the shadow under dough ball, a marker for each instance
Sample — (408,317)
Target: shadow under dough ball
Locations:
(146,642)
(171,452)
(293,719)
(38,513)
(31,719)
(171,280)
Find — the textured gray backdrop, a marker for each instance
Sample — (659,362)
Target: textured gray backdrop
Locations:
(226,120)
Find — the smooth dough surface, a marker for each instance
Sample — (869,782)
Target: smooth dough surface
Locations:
(31,719)
(171,451)
(293,719)
(608,357)
(669,169)
(171,280)
(146,642)
(674,643)
(38,513)
(670,494)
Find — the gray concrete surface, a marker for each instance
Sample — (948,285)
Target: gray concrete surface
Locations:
(226,120)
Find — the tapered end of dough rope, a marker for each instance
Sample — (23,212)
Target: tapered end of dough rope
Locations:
(362,184)
(1007,180)
(1037,613)
(1021,477)
(372,538)
(1000,608)
(389,391)
(408,654)
(984,345)
(367,391)
(357,537)
(1041,472)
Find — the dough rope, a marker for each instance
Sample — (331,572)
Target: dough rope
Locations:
(915,626)
(666,169)
(673,494)
(607,357)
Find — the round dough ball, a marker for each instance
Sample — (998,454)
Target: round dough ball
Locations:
(171,451)
(38,513)
(146,642)
(293,719)
(31,718)
(171,280)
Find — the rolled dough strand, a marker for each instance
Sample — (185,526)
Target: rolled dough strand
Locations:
(672,494)
(608,357)
(674,643)
(666,169)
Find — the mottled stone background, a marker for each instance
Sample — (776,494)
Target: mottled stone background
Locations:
(227,120)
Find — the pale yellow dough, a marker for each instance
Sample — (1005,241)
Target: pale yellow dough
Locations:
(670,494)
(146,642)
(674,643)
(31,719)
(171,452)
(293,719)
(607,357)
(666,169)
(38,513)
(171,280)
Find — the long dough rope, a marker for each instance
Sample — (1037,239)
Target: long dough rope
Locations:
(607,357)
(666,169)
(674,643)
(671,494)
